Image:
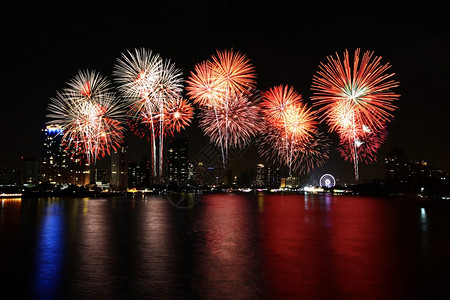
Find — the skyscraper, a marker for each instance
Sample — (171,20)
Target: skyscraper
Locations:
(260,178)
(119,168)
(54,156)
(58,165)
(178,164)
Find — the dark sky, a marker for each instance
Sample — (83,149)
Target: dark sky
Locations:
(45,46)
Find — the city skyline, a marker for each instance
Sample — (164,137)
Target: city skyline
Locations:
(121,172)
(283,46)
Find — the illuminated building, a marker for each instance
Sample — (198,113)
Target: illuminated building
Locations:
(272,177)
(58,165)
(267,176)
(260,178)
(119,169)
(178,164)
(290,183)
(54,157)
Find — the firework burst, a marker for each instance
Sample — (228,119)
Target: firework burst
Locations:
(152,87)
(277,100)
(179,114)
(367,143)
(90,115)
(302,154)
(239,121)
(351,97)
(290,135)
(222,87)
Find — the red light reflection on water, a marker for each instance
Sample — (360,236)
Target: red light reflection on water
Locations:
(228,265)
(329,247)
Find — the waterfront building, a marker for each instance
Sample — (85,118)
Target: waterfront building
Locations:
(260,176)
(177,163)
(60,166)
(290,183)
(272,177)
(54,157)
(119,168)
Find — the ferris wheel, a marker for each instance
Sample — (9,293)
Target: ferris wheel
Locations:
(327,180)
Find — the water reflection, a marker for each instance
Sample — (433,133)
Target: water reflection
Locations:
(228,246)
(126,248)
(10,202)
(96,262)
(341,247)
(226,264)
(49,252)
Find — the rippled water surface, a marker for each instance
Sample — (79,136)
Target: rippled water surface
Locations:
(229,246)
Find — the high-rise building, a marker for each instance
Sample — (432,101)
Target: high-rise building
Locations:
(119,168)
(273,177)
(54,157)
(58,165)
(178,164)
(260,178)
(77,168)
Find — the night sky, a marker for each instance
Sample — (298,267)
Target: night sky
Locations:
(44,46)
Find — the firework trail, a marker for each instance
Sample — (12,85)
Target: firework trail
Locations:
(353,99)
(90,115)
(290,130)
(219,86)
(150,85)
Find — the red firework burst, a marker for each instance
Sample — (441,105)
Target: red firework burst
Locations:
(179,114)
(231,126)
(290,134)
(222,87)
(276,100)
(227,75)
(353,97)
(235,71)
(363,87)
(204,86)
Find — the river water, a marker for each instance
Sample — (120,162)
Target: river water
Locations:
(228,246)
